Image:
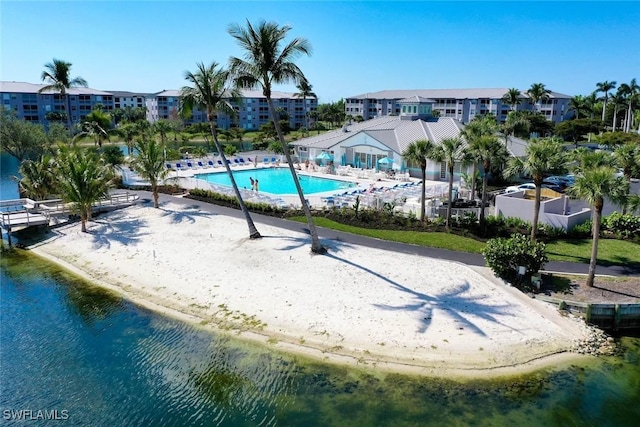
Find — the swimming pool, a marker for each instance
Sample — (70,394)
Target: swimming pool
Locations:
(276,181)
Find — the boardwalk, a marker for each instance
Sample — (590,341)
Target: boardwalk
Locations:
(18,214)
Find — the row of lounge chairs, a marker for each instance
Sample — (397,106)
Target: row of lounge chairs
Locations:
(202,164)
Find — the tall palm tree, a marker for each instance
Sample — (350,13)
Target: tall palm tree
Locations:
(513,97)
(38,177)
(450,152)
(57,78)
(630,91)
(267,62)
(594,185)
(619,104)
(305,91)
(477,128)
(605,87)
(210,91)
(83,178)
(128,131)
(149,164)
(162,128)
(538,92)
(544,157)
(418,152)
(487,150)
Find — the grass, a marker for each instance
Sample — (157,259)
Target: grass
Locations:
(610,251)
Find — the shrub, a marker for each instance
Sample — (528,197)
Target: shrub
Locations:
(551,232)
(505,255)
(625,226)
(580,231)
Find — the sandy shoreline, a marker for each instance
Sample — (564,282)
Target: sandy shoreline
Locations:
(357,305)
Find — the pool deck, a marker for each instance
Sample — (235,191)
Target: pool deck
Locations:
(374,188)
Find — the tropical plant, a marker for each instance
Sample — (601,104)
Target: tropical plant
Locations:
(605,87)
(450,152)
(477,128)
(513,98)
(538,92)
(267,62)
(627,157)
(305,90)
(96,125)
(487,150)
(544,157)
(19,138)
(83,179)
(515,120)
(149,164)
(211,92)
(38,177)
(113,156)
(57,78)
(57,133)
(162,127)
(418,152)
(630,91)
(619,104)
(579,106)
(595,181)
(505,257)
(576,130)
(128,132)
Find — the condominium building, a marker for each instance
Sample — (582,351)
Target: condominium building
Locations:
(31,105)
(251,113)
(252,110)
(461,104)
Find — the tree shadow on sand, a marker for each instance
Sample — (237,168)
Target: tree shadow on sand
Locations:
(332,245)
(185,214)
(462,309)
(119,227)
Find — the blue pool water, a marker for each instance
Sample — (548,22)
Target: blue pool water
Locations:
(276,181)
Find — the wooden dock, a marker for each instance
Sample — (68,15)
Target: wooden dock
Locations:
(605,316)
(18,214)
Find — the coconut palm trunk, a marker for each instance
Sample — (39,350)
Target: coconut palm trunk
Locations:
(423,186)
(448,223)
(485,182)
(316,247)
(597,215)
(536,207)
(253,231)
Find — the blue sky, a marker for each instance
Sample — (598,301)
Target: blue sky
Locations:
(358,47)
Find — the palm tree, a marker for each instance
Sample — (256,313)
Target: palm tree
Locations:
(210,92)
(57,78)
(83,179)
(618,102)
(630,91)
(266,62)
(128,131)
(449,151)
(162,128)
(579,105)
(626,157)
(515,120)
(480,126)
(513,97)
(593,185)
(149,164)
(418,152)
(487,150)
(96,125)
(305,91)
(537,92)
(605,87)
(38,178)
(544,157)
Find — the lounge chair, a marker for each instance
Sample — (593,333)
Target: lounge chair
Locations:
(190,165)
(265,161)
(236,161)
(179,166)
(242,162)
(200,165)
(220,163)
(273,160)
(210,162)
(169,166)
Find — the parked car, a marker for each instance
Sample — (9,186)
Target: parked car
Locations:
(555,187)
(562,181)
(460,203)
(521,187)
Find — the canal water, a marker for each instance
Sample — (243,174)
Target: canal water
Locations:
(87,356)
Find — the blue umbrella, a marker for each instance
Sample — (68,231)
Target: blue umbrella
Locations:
(324,158)
(385,161)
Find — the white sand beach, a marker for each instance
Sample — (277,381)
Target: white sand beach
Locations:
(356,305)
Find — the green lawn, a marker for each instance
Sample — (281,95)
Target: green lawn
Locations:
(610,252)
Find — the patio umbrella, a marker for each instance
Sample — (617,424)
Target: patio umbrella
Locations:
(343,160)
(385,162)
(324,158)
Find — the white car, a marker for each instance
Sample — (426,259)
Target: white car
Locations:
(521,187)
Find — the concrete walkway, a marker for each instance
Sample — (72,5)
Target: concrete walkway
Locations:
(325,233)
